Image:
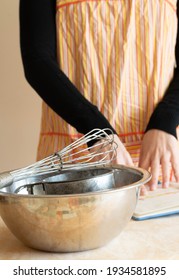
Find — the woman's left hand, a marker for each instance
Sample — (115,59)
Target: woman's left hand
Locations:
(160,149)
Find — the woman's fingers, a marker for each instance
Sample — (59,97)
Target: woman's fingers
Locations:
(155,170)
(175,167)
(143,190)
(160,155)
(165,167)
(122,156)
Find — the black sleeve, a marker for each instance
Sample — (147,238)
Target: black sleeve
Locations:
(38,50)
(166,115)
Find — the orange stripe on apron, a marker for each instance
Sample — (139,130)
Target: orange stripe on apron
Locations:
(120,55)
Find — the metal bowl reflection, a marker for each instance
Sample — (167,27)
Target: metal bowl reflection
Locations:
(72,222)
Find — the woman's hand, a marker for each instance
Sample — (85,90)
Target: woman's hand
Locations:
(122,155)
(160,149)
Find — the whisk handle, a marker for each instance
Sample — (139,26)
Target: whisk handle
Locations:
(5,179)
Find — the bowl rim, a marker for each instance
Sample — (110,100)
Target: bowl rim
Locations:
(146,177)
(109,171)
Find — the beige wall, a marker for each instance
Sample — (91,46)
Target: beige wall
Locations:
(20,106)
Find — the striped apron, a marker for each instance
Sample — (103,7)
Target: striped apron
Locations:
(120,54)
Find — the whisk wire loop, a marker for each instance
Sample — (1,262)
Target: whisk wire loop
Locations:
(77,154)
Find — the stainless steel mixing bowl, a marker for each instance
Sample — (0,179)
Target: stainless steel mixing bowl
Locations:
(72,222)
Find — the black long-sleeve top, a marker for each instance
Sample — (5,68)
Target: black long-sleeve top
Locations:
(38,50)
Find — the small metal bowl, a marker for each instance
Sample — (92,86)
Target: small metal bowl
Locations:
(80,181)
(73,222)
(75,181)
